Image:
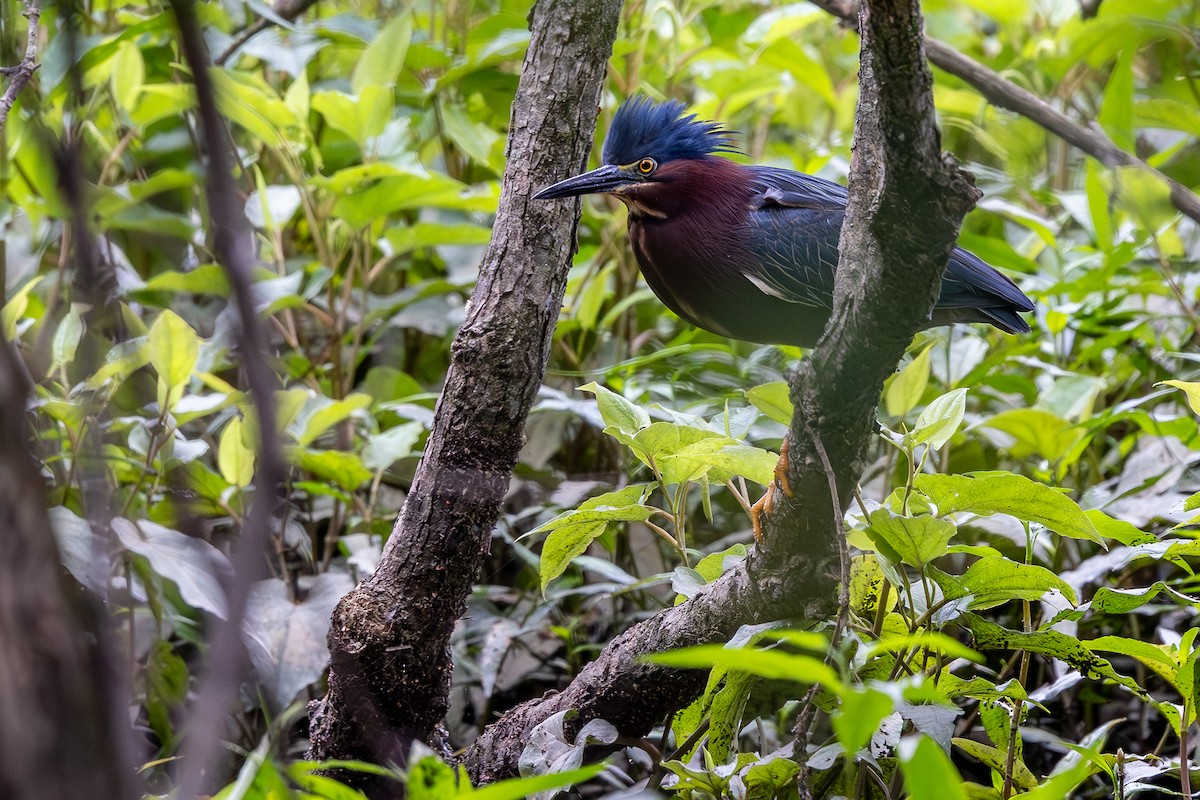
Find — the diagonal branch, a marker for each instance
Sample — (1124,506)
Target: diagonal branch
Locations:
(389,640)
(1004,93)
(906,204)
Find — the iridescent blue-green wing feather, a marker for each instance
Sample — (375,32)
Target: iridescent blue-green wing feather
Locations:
(795,226)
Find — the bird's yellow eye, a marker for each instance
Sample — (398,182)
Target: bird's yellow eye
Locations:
(647,165)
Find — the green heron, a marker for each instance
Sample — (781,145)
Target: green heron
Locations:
(748,252)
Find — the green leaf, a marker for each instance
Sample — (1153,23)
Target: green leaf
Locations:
(997,760)
(432,779)
(1036,431)
(720,458)
(383,59)
(616,411)
(519,788)
(128,75)
(204,279)
(386,448)
(940,419)
(1116,112)
(1154,656)
(928,772)
(320,414)
(916,540)
(572,531)
(234,459)
(905,388)
(174,350)
(773,400)
(858,717)
(66,337)
(344,469)
(1189,388)
(993,580)
(13,310)
(1008,493)
(990,636)
(764,663)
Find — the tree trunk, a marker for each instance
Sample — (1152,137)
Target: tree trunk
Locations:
(906,204)
(61,731)
(390,671)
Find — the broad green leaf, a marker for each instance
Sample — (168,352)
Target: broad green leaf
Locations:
(204,279)
(932,641)
(773,400)
(246,99)
(616,410)
(344,469)
(13,310)
(928,771)
(939,420)
(66,337)
(1037,431)
(1155,657)
(1189,388)
(531,785)
(916,540)
(1119,530)
(764,663)
(990,636)
(866,586)
(720,458)
(384,57)
(572,531)
(174,350)
(728,692)
(1122,601)
(234,458)
(997,760)
(859,715)
(386,448)
(993,580)
(1116,112)
(432,779)
(1008,493)
(906,387)
(128,75)
(320,414)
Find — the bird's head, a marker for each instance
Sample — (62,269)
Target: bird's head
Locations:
(646,144)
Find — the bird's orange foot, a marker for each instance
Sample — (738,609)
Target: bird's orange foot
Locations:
(764,504)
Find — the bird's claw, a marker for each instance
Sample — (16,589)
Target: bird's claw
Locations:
(765,503)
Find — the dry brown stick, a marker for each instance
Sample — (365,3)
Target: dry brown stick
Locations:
(22,73)
(1005,94)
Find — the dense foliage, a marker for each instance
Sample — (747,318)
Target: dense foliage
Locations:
(1021,611)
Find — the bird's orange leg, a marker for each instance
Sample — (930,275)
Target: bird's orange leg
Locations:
(763,506)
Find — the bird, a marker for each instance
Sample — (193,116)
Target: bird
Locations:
(745,251)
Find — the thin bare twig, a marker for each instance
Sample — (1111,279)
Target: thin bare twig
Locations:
(23,72)
(233,242)
(1001,92)
(286,10)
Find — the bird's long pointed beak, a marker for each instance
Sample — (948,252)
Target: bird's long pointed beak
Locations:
(605,179)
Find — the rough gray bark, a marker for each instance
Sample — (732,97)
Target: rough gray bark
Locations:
(906,204)
(390,671)
(61,725)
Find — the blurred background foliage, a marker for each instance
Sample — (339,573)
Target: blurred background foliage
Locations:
(371,143)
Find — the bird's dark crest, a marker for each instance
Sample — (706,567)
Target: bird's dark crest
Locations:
(642,128)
